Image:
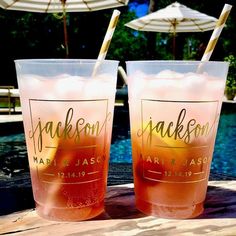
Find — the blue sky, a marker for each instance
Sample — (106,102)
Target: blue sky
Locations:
(140,9)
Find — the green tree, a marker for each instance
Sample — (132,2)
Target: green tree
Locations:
(230,89)
(127,44)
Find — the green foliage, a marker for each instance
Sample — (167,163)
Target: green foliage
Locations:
(230,89)
(126,43)
(191,49)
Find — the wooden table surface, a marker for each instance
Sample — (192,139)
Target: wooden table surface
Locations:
(122,218)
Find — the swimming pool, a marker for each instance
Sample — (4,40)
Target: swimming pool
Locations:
(224,157)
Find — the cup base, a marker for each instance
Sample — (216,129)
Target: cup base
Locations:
(185,212)
(69,214)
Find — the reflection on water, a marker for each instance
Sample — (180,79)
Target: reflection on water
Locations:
(224,158)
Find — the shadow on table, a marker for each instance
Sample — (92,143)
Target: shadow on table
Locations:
(220,203)
(120,203)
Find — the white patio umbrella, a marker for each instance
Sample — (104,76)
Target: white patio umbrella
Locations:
(56,6)
(172,19)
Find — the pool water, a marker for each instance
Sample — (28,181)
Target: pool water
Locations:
(224,157)
(13,150)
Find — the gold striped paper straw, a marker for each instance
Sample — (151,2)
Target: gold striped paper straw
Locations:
(216,33)
(107,39)
(109,34)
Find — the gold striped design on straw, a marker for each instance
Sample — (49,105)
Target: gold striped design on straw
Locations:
(211,45)
(109,34)
(105,47)
(107,39)
(223,16)
(216,33)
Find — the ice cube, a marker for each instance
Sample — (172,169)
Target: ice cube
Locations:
(31,82)
(104,77)
(194,84)
(99,87)
(215,88)
(160,88)
(68,87)
(169,74)
(136,84)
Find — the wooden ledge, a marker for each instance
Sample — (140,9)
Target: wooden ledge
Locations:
(121,217)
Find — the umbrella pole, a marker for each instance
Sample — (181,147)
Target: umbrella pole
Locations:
(174,56)
(65,29)
(174,23)
(65,36)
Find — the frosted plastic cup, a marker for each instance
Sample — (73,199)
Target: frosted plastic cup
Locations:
(67,114)
(174,113)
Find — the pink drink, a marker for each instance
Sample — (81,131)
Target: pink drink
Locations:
(174,118)
(68,124)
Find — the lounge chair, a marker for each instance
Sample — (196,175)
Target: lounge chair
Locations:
(9,94)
